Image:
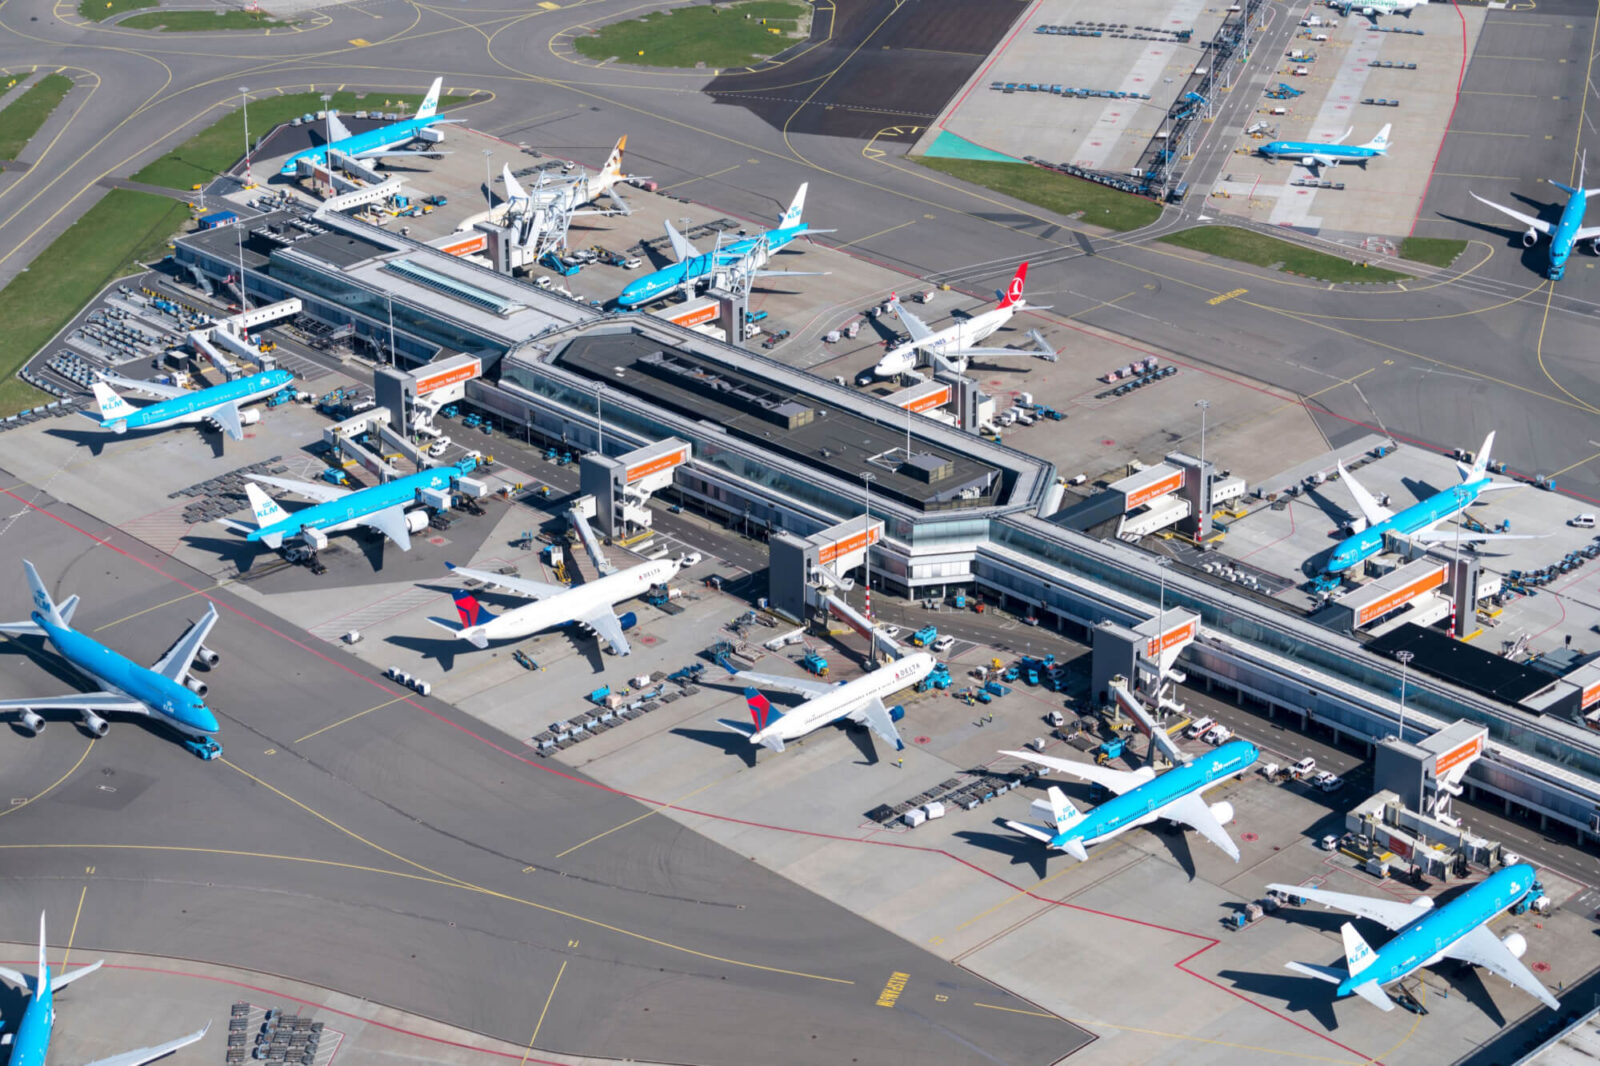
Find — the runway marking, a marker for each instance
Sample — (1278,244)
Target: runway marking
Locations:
(360,42)
(1175,1036)
(51,785)
(73,935)
(700,177)
(892,989)
(642,817)
(880,233)
(1225,297)
(540,1023)
(548,6)
(1575,465)
(1487,92)
(1479,177)
(1518,59)
(1104,303)
(1483,133)
(353,717)
(165,603)
(1021,892)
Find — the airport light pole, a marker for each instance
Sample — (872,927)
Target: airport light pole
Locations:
(488,189)
(1205,480)
(390,297)
(244,96)
(866,528)
(1405,658)
(1204,405)
(327,153)
(600,425)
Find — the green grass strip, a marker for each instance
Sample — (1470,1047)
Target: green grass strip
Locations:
(1435,251)
(1247,246)
(22,117)
(1100,205)
(201,21)
(734,36)
(123,229)
(100,10)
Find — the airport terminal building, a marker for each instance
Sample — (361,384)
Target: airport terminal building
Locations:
(777,450)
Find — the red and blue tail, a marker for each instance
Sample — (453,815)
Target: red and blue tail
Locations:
(762,712)
(471,611)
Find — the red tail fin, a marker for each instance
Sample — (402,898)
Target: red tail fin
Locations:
(1013,294)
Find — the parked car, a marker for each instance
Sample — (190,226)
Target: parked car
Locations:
(943,644)
(1304,768)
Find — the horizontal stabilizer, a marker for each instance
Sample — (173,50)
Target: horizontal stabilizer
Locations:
(1374,995)
(1032,831)
(1331,974)
(1075,848)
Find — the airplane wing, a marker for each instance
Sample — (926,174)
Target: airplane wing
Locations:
(1373,511)
(150,1054)
(1389,913)
(681,248)
(606,624)
(876,718)
(226,415)
(1448,536)
(534,590)
(800,686)
(175,663)
(62,980)
(999,353)
(1117,781)
(1482,948)
(83,701)
(149,388)
(385,153)
(1527,220)
(391,522)
(311,490)
(340,131)
(1586,233)
(915,326)
(1195,813)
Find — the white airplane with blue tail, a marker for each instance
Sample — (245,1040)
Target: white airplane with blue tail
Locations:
(1314,154)
(1569,230)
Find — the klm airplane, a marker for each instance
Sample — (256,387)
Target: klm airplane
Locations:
(30,1044)
(1568,232)
(692,267)
(380,507)
(1140,798)
(382,142)
(1459,930)
(174,406)
(1418,521)
(166,692)
(1312,155)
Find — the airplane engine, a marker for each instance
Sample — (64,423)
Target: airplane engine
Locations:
(628,620)
(1530,238)
(249,416)
(416,521)
(195,685)
(207,657)
(1594,246)
(1516,944)
(31,722)
(896,713)
(1222,811)
(95,724)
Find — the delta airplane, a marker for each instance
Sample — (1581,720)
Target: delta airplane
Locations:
(1140,798)
(174,406)
(1458,930)
(30,1044)
(1371,9)
(1418,520)
(1312,154)
(379,507)
(166,692)
(1569,230)
(861,701)
(952,347)
(375,143)
(692,266)
(590,605)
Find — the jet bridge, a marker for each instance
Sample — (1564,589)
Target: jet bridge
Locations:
(622,486)
(582,510)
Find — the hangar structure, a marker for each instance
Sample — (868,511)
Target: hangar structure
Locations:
(778,452)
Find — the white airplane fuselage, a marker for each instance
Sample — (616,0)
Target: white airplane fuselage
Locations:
(948,343)
(830,706)
(579,602)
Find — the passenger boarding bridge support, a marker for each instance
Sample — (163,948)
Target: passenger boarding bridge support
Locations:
(582,510)
(341,437)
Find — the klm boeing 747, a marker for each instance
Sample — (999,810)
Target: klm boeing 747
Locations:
(166,692)
(1140,797)
(1311,154)
(174,406)
(1568,232)
(1458,930)
(383,142)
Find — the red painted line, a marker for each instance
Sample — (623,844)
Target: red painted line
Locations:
(1461,78)
(995,58)
(1290,508)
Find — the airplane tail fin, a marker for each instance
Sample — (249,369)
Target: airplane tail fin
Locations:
(264,507)
(613,164)
(1480,462)
(471,611)
(1357,953)
(514,189)
(791,217)
(1013,293)
(1056,810)
(681,248)
(430,103)
(762,712)
(42,600)
(112,407)
(1380,143)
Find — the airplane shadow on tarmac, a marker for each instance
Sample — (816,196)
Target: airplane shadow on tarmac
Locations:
(1019,849)
(730,740)
(1536,258)
(1298,994)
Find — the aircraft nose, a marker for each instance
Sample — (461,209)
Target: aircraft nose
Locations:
(201,718)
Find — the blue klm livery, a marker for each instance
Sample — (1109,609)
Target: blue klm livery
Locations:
(1458,930)
(1311,154)
(30,1045)
(1568,232)
(166,692)
(376,143)
(175,406)
(1141,798)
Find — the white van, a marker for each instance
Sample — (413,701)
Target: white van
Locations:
(1200,728)
(1582,521)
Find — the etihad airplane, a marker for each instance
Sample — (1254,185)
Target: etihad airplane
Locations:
(1314,154)
(1140,797)
(591,605)
(1569,230)
(378,507)
(861,701)
(166,692)
(382,142)
(1371,9)
(30,1044)
(954,346)
(1418,520)
(1458,930)
(571,192)
(692,267)
(174,406)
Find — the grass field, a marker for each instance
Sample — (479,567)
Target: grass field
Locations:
(221,144)
(1435,251)
(200,21)
(123,229)
(1052,191)
(22,117)
(98,10)
(718,38)
(1263,251)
